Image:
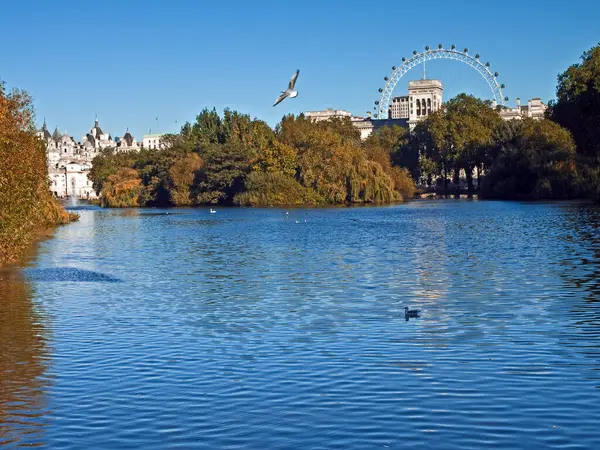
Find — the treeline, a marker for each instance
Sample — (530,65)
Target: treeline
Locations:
(232,159)
(235,160)
(26,205)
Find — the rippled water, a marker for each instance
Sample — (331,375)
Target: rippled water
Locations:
(252,329)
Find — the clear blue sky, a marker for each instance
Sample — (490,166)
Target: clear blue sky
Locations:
(132,61)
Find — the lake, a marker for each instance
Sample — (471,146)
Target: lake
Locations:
(253,328)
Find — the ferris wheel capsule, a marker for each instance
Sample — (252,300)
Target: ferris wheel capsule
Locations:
(466,50)
(440,46)
(496,74)
(386,78)
(487,64)
(415,52)
(477,56)
(393,67)
(380,90)
(427,48)
(505,99)
(403,59)
(453,47)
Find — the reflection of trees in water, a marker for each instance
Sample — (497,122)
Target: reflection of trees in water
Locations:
(580,269)
(23,356)
(581,254)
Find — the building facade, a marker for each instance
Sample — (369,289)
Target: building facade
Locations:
(152,141)
(327,114)
(70,162)
(535,109)
(425,97)
(399,108)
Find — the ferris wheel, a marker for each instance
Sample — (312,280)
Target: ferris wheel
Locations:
(382,105)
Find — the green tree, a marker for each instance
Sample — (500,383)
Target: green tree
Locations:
(577,106)
(539,163)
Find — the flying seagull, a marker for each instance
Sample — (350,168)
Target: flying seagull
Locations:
(289,92)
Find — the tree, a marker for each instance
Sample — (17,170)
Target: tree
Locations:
(577,106)
(107,163)
(472,123)
(539,163)
(26,204)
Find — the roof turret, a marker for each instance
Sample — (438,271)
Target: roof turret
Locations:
(56,135)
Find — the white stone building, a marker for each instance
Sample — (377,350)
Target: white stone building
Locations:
(97,139)
(535,109)
(127,143)
(152,141)
(327,114)
(70,179)
(399,107)
(425,97)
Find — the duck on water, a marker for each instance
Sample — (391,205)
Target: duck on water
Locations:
(408,313)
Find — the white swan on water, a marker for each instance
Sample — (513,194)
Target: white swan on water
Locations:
(212,211)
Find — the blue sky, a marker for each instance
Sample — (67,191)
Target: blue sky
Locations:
(133,61)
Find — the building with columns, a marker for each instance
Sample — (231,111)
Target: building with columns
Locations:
(425,97)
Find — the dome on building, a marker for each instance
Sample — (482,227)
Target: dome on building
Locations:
(128,138)
(56,135)
(46,133)
(97,129)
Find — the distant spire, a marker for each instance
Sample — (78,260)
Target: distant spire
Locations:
(96,119)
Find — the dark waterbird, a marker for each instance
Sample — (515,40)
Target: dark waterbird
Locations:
(68,274)
(411,312)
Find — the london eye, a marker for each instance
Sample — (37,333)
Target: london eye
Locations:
(382,105)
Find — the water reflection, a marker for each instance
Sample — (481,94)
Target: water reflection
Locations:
(23,364)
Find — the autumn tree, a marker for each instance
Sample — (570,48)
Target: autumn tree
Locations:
(26,204)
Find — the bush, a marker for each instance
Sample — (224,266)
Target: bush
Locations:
(122,190)
(275,189)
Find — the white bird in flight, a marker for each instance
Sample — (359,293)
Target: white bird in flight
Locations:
(289,92)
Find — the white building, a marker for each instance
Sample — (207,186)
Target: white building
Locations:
(152,141)
(127,143)
(399,107)
(425,97)
(97,139)
(327,114)
(535,109)
(70,179)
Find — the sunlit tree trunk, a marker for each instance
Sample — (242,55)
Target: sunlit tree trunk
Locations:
(469,175)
